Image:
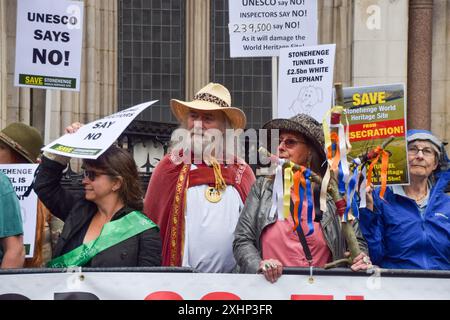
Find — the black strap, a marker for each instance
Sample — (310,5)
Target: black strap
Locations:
(318,212)
(30,188)
(302,238)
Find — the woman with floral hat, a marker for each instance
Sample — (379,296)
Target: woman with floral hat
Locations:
(264,240)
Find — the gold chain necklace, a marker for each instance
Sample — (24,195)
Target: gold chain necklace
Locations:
(419,199)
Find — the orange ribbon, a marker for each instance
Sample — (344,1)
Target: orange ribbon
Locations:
(299,179)
(337,156)
(384,169)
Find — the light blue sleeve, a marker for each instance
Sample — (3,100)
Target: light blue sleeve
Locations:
(10,216)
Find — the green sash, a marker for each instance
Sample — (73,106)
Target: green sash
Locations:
(112,233)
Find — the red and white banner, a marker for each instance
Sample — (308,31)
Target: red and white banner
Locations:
(201,286)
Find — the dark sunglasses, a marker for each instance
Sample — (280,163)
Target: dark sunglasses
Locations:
(290,143)
(91,174)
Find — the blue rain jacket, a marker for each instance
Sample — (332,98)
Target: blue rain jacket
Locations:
(399,237)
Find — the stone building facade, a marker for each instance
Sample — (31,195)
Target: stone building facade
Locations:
(128,44)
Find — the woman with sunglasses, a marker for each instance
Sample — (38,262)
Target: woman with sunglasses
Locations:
(104,225)
(265,242)
(410,228)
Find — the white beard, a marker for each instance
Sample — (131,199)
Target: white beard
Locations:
(198,144)
(207,145)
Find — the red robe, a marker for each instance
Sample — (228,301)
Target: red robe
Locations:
(164,201)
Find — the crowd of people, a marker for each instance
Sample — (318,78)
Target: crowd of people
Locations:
(215,216)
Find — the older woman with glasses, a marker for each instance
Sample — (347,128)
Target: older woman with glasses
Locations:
(410,228)
(104,225)
(265,243)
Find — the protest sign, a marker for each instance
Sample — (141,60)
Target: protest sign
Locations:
(21,176)
(48,44)
(94,138)
(306,81)
(375,114)
(260,28)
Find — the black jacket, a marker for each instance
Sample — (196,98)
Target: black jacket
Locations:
(143,249)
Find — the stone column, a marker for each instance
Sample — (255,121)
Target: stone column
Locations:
(3,72)
(197,45)
(419,63)
(440,85)
(13,93)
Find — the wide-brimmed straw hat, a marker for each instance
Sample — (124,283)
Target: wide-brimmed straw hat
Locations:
(213,96)
(23,139)
(306,126)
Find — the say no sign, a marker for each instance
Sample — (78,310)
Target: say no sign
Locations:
(92,139)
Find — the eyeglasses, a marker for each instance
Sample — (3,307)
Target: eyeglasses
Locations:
(290,143)
(91,174)
(427,152)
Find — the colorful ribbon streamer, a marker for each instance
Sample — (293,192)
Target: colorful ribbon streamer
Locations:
(310,202)
(288,183)
(351,188)
(337,146)
(299,183)
(384,168)
(302,187)
(277,193)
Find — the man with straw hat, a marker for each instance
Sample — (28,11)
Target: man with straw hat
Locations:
(197,201)
(21,143)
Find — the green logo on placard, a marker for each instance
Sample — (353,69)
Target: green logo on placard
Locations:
(45,81)
(73,150)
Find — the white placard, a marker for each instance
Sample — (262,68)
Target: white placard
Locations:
(21,176)
(200,286)
(260,28)
(48,44)
(94,138)
(306,81)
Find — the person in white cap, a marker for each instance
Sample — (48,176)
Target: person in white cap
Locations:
(197,204)
(410,228)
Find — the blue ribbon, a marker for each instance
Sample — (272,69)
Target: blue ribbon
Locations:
(300,206)
(310,202)
(333,147)
(355,207)
(341,182)
(307,174)
(351,187)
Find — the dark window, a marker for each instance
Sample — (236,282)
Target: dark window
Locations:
(248,79)
(151,55)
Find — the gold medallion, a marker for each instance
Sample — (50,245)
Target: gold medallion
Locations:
(213,195)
